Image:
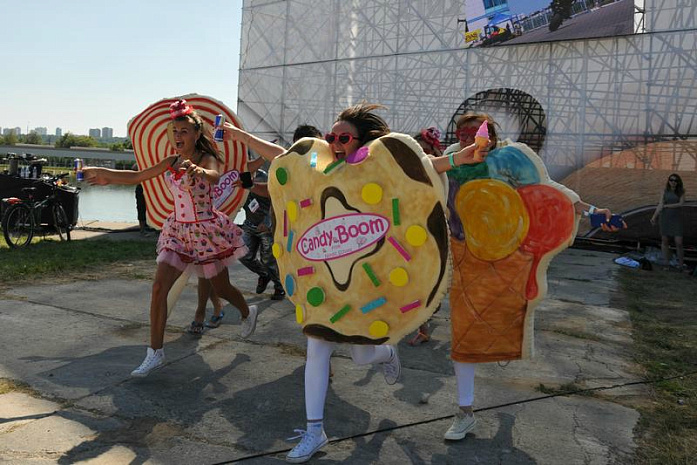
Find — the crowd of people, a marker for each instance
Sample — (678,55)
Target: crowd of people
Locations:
(196,235)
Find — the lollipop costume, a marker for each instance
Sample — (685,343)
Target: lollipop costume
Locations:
(196,233)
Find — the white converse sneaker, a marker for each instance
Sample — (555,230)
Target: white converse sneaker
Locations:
(249,324)
(310,442)
(392,368)
(153,360)
(462,424)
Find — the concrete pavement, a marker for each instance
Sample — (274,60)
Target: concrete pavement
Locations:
(71,347)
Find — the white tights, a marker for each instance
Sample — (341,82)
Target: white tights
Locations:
(317,370)
(464,374)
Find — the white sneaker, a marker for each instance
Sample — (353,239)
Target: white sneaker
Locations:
(392,368)
(462,424)
(153,360)
(309,444)
(249,324)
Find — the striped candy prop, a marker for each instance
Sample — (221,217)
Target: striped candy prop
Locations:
(148,132)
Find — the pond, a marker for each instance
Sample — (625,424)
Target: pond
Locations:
(113,204)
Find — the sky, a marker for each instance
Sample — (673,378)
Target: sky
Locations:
(81,64)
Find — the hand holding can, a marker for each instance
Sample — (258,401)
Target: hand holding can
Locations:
(219,130)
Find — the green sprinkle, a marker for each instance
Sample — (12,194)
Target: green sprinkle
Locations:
(340,313)
(329,168)
(282,176)
(396,220)
(315,296)
(371,275)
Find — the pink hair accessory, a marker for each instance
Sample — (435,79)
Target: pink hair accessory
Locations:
(180,108)
(432,137)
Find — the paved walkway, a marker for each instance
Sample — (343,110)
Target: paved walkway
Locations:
(224,400)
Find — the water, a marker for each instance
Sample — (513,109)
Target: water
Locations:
(113,204)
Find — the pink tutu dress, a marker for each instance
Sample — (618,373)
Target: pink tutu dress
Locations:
(196,234)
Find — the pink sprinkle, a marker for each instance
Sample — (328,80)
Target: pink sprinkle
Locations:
(411,306)
(305,203)
(399,248)
(285,224)
(305,271)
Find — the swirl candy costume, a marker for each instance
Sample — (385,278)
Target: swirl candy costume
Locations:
(196,233)
(508,220)
(362,242)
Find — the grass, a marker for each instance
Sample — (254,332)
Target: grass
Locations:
(50,259)
(664,318)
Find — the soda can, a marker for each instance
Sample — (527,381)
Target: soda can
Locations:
(219,121)
(78,169)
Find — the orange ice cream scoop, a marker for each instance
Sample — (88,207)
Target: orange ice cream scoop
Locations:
(481,141)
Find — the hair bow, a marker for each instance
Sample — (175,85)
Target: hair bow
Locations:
(180,108)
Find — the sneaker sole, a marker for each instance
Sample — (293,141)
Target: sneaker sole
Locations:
(306,458)
(143,375)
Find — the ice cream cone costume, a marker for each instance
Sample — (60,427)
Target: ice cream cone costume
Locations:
(508,220)
(361,243)
(481,141)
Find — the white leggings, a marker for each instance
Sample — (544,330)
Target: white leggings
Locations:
(317,370)
(464,374)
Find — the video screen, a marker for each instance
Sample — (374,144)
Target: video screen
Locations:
(508,22)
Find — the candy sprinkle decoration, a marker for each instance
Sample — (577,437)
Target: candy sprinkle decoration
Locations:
(373,304)
(411,306)
(345,309)
(371,274)
(399,248)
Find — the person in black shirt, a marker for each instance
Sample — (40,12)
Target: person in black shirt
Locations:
(258,237)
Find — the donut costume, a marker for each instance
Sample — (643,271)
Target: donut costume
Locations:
(361,242)
(508,219)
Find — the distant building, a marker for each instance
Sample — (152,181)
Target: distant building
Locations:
(18,131)
(107,133)
(59,132)
(41,131)
(95,133)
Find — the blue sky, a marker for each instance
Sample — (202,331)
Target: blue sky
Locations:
(80,64)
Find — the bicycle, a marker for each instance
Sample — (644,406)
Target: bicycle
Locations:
(22,218)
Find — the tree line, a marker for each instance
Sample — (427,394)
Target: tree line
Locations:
(65,141)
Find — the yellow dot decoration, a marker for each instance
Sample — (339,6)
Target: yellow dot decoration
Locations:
(378,329)
(399,277)
(416,235)
(494,218)
(371,193)
(292,209)
(299,314)
(276,250)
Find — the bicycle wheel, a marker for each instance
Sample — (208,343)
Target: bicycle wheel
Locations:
(60,222)
(18,225)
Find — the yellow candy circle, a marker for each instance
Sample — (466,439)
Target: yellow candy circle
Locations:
(399,277)
(416,235)
(292,210)
(276,250)
(493,216)
(371,193)
(299,314)
(378,329)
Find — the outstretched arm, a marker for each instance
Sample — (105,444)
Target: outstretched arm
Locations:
(462,157)
(268,150)
(103,176)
